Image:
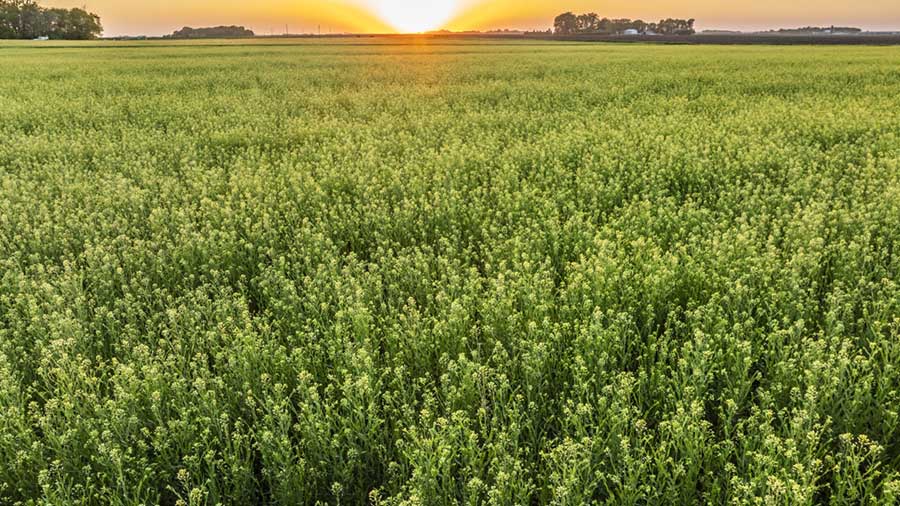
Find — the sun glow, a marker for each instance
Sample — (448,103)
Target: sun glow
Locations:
(415,15)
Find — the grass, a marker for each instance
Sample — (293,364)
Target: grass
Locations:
(426,272)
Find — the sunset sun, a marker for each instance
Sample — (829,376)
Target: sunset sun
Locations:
(414,15)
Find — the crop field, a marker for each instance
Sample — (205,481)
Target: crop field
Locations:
(434,272)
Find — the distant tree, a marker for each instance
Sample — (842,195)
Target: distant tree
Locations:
(31,20)
(620,25)
(818,29)
(19,19)
(212,32)
(74,24)
(587,23)
(7,30)
(566,23)
(569,23)
(25,19)
(675,27)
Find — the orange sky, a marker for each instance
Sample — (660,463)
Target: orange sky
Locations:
(156,17)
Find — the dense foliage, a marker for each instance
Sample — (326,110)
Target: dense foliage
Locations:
(212,32)
(569,23)
(25,19)
(449,273)
(819,29)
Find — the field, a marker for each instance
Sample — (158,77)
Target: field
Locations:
(433,272)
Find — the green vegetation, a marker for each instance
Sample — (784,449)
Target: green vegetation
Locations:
(25,19)
(568,23)
(406,271)
(211,33)
(817,30)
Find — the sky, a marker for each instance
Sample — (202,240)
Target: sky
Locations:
(158,17)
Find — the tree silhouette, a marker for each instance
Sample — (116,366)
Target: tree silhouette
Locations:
(25,19)
(211,32)
(569,23)
(566,23)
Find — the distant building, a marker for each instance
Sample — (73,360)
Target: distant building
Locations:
(631,31)
(43,37)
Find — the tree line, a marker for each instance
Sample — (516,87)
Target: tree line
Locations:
(211,32)
(25,19)
(569,23)
(818,29)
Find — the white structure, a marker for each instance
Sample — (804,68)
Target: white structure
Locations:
(43,38)
(631,31)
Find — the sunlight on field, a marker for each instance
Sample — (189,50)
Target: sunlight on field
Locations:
(365,271)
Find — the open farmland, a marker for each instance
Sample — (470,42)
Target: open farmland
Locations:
(426,272)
